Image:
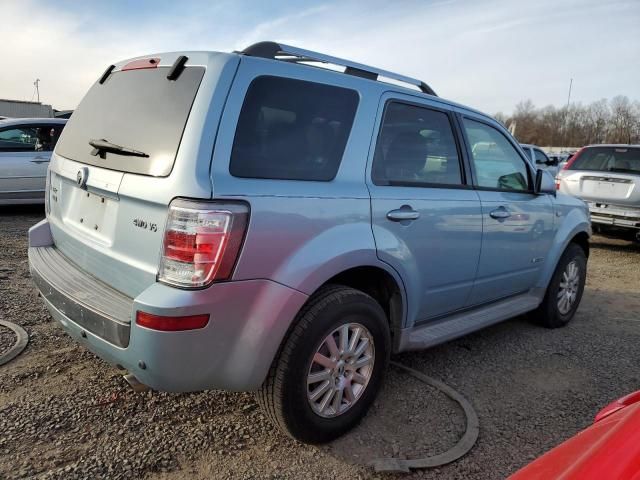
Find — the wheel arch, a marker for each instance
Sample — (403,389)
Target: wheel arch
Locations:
(382,284)
(575,228)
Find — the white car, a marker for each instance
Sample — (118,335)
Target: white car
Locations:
(25,150)
(607,177)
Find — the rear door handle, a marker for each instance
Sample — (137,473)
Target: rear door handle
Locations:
(403,214)
(500,213)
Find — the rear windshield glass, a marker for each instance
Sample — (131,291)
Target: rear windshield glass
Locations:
(292,130)
(138,109)
(608,159)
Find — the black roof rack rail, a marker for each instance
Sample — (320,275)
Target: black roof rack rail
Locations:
(287,53)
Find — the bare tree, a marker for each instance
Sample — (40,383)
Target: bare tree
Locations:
(617,121)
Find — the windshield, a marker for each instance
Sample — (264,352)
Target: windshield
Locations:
(609,159)
(139,110)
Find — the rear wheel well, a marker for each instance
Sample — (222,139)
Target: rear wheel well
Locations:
(582,239)
(379,285)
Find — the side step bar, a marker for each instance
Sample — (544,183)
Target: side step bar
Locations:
(460,324)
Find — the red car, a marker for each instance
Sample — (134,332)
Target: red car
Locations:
(607,450)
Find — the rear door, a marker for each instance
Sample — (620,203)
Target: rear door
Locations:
(25,151)
(517,223)
(426,219)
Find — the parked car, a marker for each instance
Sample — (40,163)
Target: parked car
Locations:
(607,177)
(25,150)
(541,159)
(282,227)
(608,449)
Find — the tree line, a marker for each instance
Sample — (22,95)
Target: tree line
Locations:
(605,121)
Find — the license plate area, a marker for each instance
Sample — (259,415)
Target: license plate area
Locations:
(606,189)
(89,212)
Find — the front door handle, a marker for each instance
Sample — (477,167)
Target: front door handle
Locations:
(500,213)
(403,214)
(40,160)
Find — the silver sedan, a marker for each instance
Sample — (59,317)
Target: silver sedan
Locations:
(25,150)
(607,177)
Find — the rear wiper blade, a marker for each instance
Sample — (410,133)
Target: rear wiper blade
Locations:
(102,146)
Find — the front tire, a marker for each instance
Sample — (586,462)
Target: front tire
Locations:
(565,289)
(330,367)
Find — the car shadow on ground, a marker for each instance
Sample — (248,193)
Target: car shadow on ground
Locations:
(20,210)
(615,241)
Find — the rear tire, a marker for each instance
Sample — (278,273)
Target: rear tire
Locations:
(292,394)
(565,289)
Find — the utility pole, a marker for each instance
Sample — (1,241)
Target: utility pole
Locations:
(37,85)
(569,96)
(566,113)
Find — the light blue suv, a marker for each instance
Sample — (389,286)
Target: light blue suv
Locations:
(256,221)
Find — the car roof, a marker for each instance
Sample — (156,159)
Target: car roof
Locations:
(614,145)
(30,121)
(202,58)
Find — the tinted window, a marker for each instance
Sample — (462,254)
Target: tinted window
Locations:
(292,130)
(138,109)
(415,145)
(39,138)
(608,159)
(496,161)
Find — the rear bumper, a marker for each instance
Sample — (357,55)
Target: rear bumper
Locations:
(614,215)
(248,320)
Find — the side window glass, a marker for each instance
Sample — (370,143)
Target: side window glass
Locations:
(48,137)
(415,145)
(497,163)
(540,156)
(18,139)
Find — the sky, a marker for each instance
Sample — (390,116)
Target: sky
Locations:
(487,54)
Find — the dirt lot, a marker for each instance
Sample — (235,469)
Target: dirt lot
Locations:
(66,414)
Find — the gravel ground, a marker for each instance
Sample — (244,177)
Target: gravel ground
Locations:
(65,414)
(7,339)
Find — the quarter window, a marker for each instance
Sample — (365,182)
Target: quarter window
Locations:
(416,146)
(292,130)
(497,163)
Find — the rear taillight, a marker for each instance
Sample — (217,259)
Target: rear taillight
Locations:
(201,242)
(572,159)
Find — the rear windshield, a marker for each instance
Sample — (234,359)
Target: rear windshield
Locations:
(292,130)
(137,109)
(608,159)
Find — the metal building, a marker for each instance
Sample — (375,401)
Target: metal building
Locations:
(23,109)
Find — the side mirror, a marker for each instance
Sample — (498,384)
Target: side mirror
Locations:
(545,183)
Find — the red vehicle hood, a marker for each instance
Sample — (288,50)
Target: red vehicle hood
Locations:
(608,449)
